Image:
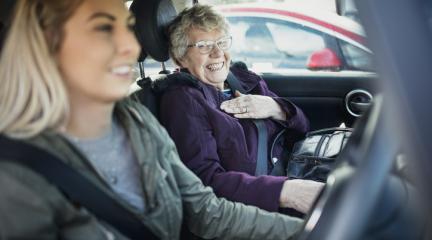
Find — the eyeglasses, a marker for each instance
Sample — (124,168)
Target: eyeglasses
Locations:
(207,46)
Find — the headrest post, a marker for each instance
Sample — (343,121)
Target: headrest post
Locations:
(141,67)
(164,70)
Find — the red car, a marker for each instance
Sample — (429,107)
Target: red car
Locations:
(278,37)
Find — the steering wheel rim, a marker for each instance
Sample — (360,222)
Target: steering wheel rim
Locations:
(345,205)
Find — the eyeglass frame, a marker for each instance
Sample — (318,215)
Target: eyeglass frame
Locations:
(213,43)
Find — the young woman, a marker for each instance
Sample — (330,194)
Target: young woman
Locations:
(64,70)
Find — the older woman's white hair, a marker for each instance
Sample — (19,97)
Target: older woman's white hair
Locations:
(202,17)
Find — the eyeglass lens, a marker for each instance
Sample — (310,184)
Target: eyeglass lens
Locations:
(207,46)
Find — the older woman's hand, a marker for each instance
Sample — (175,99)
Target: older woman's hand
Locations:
(300,194)
(253,106)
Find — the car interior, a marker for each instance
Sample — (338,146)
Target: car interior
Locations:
(363,169)
(371,194)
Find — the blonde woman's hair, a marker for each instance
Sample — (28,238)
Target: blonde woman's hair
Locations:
(199,16)
(32,94)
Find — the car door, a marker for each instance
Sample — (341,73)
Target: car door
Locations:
(328,99)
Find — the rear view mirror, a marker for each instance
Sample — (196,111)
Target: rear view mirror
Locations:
(325,59)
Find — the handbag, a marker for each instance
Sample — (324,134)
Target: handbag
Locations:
(314,157)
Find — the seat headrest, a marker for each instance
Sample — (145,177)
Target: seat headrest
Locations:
(152,18)
(2,36)
(6,7)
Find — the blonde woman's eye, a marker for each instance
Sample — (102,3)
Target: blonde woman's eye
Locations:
(105,28)
(131,26)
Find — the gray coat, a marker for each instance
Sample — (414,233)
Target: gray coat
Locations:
(32,208)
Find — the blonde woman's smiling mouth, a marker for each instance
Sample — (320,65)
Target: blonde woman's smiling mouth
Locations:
(122,70)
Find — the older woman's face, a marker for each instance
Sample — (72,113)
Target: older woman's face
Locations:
(98,51)
(211,68)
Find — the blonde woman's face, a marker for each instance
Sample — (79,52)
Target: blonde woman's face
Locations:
(212,67)
(98,52)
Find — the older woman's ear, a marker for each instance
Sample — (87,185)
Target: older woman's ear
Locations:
(178,62)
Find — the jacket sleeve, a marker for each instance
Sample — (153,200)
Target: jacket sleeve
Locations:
(188,125)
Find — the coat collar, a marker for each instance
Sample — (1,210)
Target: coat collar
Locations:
(247,79)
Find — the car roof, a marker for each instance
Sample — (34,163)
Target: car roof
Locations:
(325,21)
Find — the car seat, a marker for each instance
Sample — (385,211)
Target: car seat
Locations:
(152,19)
(6,7)
(2,35)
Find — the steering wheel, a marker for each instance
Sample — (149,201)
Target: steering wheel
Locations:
(344,207)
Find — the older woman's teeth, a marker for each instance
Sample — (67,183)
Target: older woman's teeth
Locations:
(215,66)
(121,70)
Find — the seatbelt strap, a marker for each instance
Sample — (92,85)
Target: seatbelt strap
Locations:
(261,166)
(77,187)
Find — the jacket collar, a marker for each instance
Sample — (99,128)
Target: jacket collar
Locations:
(247,79)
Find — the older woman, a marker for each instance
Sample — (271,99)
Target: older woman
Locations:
(64,70)
(212,125)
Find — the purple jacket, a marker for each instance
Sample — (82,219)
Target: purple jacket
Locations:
(221,149)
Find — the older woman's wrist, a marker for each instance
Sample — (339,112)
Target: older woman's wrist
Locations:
(278,112)
(300,194)
(284,199)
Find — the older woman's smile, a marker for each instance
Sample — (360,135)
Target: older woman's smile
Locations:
(215,66)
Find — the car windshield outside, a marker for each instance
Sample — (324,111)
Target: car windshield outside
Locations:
(267,37)
(301,36)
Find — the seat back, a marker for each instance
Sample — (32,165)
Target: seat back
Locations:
(147,94)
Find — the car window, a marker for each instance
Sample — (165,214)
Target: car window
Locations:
(153,67)
(271,43)
(268,42)
(355,57)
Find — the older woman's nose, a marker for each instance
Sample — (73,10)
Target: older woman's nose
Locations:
(216,51)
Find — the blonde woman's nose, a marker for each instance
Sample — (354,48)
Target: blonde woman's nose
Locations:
(127,44)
